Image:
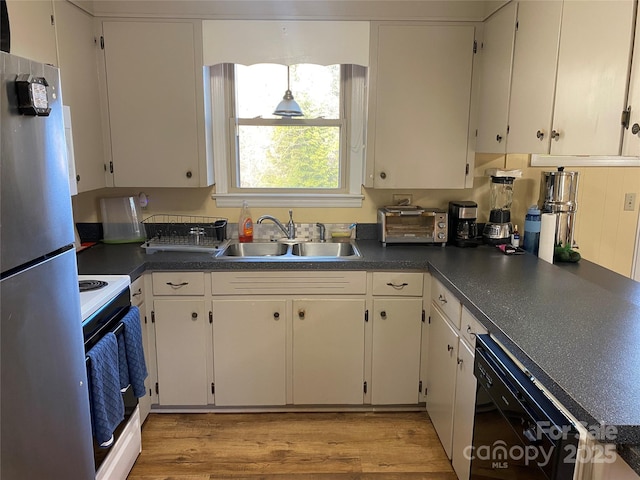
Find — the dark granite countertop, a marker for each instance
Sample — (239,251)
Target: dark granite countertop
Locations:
(576,327)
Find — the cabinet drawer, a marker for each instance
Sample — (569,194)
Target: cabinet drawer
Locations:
(470,327)
(447,302)
(137,292)
(178,283)
(289,282)
(398,283)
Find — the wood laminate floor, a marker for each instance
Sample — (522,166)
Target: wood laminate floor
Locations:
(297,446)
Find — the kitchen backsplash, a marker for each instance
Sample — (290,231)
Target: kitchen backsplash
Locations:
(606,234)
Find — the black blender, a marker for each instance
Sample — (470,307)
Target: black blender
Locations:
(498,229)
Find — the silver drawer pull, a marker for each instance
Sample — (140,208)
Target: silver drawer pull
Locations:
(177,285)
(397,286)
(442,299)
(138,293)
(469,331)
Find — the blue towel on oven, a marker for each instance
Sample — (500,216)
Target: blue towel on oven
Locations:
(135,351)
(123,368)
(107,406)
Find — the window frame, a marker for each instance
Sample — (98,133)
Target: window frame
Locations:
(222,130)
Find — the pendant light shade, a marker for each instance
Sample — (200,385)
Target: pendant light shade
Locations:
(288,107)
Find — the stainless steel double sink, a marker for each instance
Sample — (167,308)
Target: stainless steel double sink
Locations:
(288,251)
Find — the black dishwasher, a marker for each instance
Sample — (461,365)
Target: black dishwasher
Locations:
(518,432)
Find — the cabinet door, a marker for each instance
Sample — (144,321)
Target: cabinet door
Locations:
(78,55)
(497,54)
(328,351)
(533,78)
(419,115)
(138,300)
(593,69)
(249,351)
(441,385)
(397,324)
(464,411)
(33,34)
(631,141)
(182,333)
(152,100)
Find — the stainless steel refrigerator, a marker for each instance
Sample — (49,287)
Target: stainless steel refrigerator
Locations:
(44,405)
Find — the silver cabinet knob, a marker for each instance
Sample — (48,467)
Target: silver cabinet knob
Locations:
(449,348)
(555,134)
(442,299)
(194,315)
(635,128)
(276,315)
(301,314)
(540,135)
(498,138)
(383,175)
(189,174)
(383,314)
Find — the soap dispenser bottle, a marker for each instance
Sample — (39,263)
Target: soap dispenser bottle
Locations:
(245,224)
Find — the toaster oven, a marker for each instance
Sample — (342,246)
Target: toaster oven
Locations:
(412,224)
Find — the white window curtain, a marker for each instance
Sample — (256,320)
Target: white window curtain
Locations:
(285,42)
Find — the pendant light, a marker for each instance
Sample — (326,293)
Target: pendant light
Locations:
(288,107)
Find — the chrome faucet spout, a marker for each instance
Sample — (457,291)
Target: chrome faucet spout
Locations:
(289,230)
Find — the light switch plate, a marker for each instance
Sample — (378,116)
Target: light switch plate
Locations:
(630,202)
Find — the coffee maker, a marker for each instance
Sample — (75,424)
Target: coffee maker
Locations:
(463,229)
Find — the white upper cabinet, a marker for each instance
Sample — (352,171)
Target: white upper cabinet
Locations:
(631,141)
(593,70)
(496,55)
(78,55)
(563,91)
(419,104)
(155,95)
(33,34)
(534,76)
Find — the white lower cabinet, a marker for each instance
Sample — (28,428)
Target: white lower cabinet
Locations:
(464,409)
(441,384)
(249,352)
(328,351)
(276,339)
(451,383)
(397,327)
(182,342)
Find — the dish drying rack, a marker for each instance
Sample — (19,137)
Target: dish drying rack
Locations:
(184,233)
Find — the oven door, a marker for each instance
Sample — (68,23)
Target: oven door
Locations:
(518,433)
(109,319)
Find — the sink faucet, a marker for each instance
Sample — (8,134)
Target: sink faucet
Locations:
(322,232)
(289,230)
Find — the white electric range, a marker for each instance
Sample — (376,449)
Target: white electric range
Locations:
(92,300)
(102,305)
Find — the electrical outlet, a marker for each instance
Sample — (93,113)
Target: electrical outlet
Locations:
(402,198)
(630,202)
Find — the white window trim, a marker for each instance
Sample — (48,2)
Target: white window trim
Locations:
(355,105)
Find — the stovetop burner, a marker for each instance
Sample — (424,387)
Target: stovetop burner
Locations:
(88,285)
